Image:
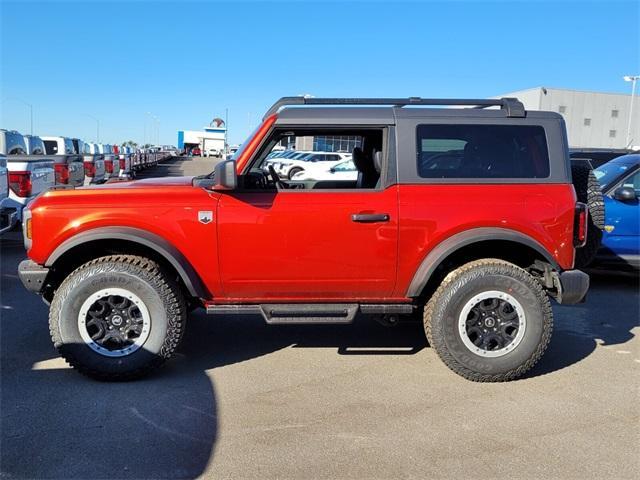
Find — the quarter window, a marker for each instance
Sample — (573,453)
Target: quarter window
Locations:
(51,146)
(482,151)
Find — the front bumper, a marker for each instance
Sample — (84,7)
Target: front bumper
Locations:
(32,275)
(571,286)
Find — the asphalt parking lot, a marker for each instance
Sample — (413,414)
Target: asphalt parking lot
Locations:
(246,400)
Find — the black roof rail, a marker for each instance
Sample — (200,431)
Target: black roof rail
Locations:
(512,106)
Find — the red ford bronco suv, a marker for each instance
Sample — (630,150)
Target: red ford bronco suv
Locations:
(466,217)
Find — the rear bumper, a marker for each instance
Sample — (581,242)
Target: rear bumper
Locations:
(32,275)
(571,286)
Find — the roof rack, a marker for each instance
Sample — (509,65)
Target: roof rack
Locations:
(512,106)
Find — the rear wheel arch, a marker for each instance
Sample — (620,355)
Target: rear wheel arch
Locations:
(476,244)
(98,242)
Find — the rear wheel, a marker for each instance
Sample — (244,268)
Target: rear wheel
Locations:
(588,192)
(117,317)
(489,321)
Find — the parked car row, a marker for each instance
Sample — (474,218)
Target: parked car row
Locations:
(289,163)
(29,165)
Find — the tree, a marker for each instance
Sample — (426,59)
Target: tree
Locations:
(129,143)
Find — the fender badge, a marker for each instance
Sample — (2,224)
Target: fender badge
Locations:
(609,228)
(205,216)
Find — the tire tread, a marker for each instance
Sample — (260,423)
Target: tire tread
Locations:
(432,331)
(134,265)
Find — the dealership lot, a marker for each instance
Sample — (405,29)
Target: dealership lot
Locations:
(248,400)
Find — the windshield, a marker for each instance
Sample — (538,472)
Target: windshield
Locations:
(244,145)
(610,172)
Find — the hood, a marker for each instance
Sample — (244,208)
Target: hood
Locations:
(147,182)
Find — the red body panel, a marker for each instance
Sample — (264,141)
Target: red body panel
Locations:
(300,244)
(168,209)
(429,214)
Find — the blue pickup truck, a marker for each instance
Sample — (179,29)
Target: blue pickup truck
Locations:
(620,182)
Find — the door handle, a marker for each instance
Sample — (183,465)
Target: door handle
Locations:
(370,217)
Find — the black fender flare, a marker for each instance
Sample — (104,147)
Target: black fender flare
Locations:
(455,242)
(150,240)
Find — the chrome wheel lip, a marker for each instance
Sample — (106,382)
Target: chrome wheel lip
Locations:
(471,303)
(121,292)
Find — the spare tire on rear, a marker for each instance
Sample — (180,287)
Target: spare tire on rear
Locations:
(588,192)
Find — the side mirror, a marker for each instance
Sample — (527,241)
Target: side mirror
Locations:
(625,194)
(332,170)
(225,177)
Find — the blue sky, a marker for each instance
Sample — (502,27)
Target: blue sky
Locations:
(185,62)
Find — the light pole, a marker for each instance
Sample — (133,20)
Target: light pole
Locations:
(97,127)
(226,132)
(633,79)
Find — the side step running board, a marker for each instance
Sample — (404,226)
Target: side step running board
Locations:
(315,313)
(323,313)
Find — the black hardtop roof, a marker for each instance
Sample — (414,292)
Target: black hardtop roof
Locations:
(511,107)
(388,115)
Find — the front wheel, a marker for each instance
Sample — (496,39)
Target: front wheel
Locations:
(489,321)
(294,171)
(117,317)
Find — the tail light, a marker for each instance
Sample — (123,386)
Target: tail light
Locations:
(20,183)
(580,225)
(62,173)
(122,164)
(90,169)
(108,166)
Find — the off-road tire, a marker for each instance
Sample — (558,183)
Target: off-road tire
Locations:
(588,192)
(162,298)
(441,316)
(293,171)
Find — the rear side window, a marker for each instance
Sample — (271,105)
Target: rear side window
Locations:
(482,151)
(69,147)
(51,146)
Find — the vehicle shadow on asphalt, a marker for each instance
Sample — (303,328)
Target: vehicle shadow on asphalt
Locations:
(224,340)
(607,318)
(59,424)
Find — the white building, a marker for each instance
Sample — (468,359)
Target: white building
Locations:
(211,137)
(594,119)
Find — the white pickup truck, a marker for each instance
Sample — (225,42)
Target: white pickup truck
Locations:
(111,165)
(94,171)
(29,174)
(68,163)
(124,156)
(7,215)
